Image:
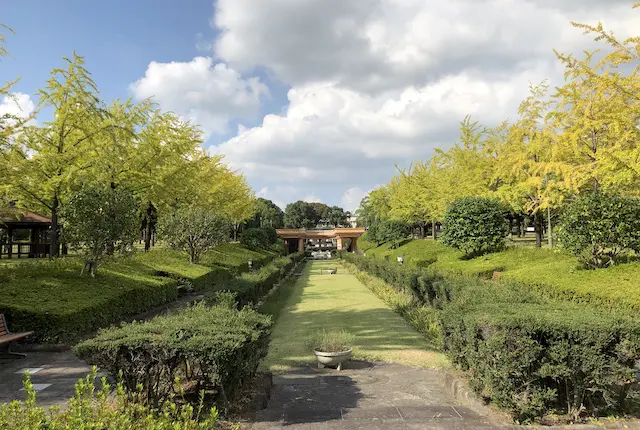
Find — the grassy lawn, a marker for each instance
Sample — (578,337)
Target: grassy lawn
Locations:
(51,298)
(552,271)
(315,302)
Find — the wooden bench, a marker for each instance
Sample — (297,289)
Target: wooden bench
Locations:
(7,338)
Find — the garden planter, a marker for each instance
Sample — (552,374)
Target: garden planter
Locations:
(332,359)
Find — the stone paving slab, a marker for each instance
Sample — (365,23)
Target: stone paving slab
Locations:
(385,396)
(53,374)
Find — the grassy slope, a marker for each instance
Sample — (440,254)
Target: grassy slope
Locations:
(340,301)
(57,287)
(553,271)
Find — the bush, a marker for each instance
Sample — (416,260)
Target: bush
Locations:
(475,225)
(255,238)
(536,358)
(600,228)
(389,231)
(526,353)
(251,287)
(209,348)
(89,408)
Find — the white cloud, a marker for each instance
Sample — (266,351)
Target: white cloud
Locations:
(352,197)
(378,82)
(211,94)
(17,105)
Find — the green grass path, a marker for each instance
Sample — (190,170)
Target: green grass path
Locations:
(340,301)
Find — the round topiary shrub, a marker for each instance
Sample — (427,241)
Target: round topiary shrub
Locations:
(600,228)
(255,238)
(475,225)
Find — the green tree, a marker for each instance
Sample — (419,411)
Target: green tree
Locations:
(475,225)
(299,215)
(336,216)
(98,219)
(393,231)
(194,230)
(320,212)
(48,161)
(268,214)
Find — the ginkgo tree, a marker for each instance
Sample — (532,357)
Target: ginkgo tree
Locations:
(44,162)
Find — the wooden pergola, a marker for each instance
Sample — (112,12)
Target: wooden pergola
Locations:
(35,231)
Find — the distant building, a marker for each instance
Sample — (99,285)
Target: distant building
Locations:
(352,221)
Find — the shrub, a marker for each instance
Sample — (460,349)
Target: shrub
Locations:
(389,231)
(600,228)
(272,235)
(89,408)
(526,353)
(255,238)
(536,358)
(210,348)
(251,287)
(475,225)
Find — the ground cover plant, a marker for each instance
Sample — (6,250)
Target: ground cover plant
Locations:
(52,299)
(527,353)
(95,408)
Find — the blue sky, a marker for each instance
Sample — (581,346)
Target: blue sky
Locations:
(312,99)
(118,38)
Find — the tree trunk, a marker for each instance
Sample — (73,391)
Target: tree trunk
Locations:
(422,230)
(537,224)
(549,228)
(433,230)
(54,239)
(236,227)
(148,228)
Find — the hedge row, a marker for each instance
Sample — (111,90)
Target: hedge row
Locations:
(215,349)
(527,354)
(67,327)
(251,287)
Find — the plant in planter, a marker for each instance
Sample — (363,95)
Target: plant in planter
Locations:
(332,348)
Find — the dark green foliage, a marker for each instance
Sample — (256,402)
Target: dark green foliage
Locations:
(215,348)
(92,408)
(250,288)
(600,228)
(535,358)
(526,353)
(475,225)
(268,214)
(259,238)
(393,231)
(254,238)
(300,215)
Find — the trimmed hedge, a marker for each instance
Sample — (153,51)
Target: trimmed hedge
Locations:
(210,348)
(526,353)
(251,287)
(60,306)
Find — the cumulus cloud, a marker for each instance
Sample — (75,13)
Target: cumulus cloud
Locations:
(379,82)
(17,105)
(352,197)
(211,94)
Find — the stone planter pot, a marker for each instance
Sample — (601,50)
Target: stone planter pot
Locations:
(332,359)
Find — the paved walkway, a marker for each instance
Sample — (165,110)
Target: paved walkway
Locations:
(366,396)
(53,375)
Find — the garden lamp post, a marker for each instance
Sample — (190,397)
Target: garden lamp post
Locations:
(250,264)
(400,260)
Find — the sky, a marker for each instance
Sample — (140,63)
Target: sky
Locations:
(316,100)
